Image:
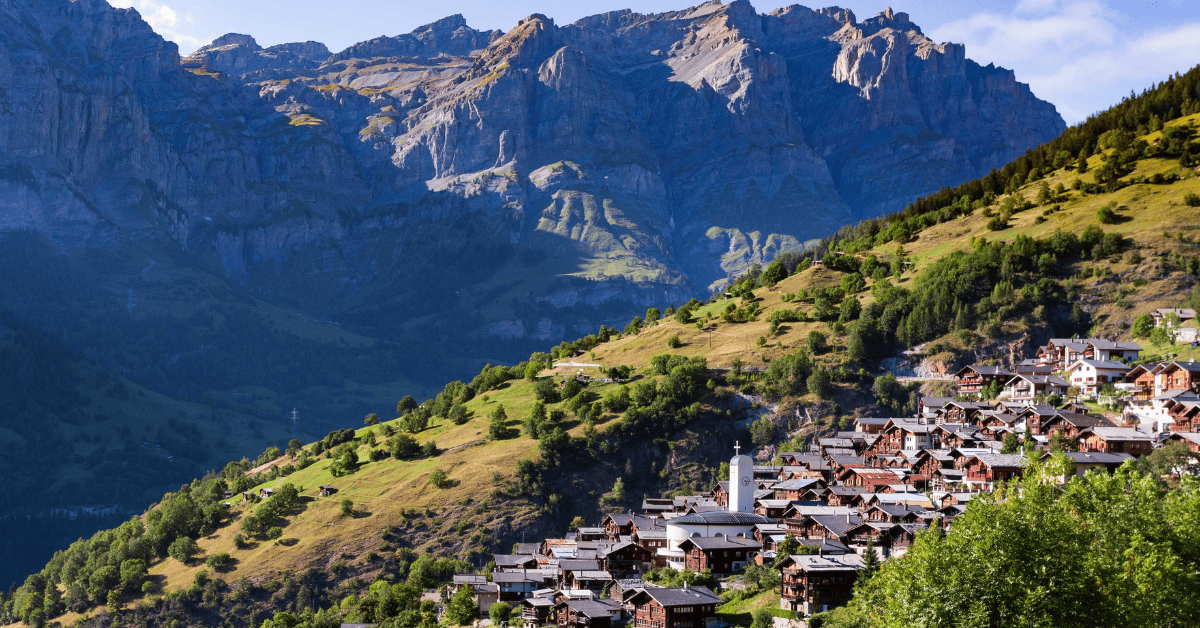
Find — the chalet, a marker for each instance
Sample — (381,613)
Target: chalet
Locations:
(1027,388)
(764,533)
(894,513)
(469,580)
(537,611)
(813,584)
(1069,424)
(792,490)
(720,554)
(617,526)
(589,534)
(867,478)
(509,562)
(1181,376)
(591,580)
(974,378)
(962,412)
(898,538)
(1107,350)
(653,540)
(993,422)
(1190,439)
(686,607)
(720,493)
(1033,368)
(518,585)
(586,613)
(901,434)
(839,464)
(823,526)
(945,479)
(1184,414)
(1060,352)
(1163,314)
(1035,415)
(829,444)
(842,495)
(989,468)
(326,490)
(1089,376)
(264,493)
(932,404)
(870,425)
(1117,440)
(652,506)
(773,508)
(625,558)
(1085,461)
(228,494)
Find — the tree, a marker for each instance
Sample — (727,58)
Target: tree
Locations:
(347,507)
(537,416)
(462,609)
(762,619)
(1106,216)
(870,563)
(371,419)
(856,347)
(1011,444)
(816,343)
(498,425)
(652,316)
(405,405)
(438,478)
(820,383)
(774,274)
(674,342)
(617,494)
(182,549)
(403,447)
(762,432)
(1142,326)
(1082,165)
(576,523)
(217,562)
(429,449)
(787,547)
(133,574)
(499,613)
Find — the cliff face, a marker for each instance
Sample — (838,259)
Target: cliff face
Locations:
(533,183)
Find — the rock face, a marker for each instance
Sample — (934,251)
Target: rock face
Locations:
(534,183)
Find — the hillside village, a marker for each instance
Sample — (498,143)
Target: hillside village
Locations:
(814,515)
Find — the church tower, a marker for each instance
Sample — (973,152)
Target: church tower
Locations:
(741,482)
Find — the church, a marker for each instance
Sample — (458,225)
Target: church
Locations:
(734,523)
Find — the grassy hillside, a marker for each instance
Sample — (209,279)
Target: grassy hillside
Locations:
(985,279)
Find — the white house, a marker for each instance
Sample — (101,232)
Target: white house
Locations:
(1089,376)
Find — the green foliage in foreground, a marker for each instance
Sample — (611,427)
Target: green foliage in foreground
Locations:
(1105,550)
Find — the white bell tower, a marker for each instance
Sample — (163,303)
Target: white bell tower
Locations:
(741,482)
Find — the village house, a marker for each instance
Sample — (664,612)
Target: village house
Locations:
(986,469)
(538,610)
(974,378)
(1060,352)
(1085,461)
(518,585)
(1028,388)
(719,554)
(1108,350)
(1069,424)
(586,613)
(870,425)
(813,584)
(1184,414)
(1181,376)
(961,412)
(1190,439)
(1163,314)
(1089,376)
(684,607)
(1117,440)
(625,558)
(932,404)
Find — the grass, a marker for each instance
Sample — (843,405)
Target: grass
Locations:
(741,612)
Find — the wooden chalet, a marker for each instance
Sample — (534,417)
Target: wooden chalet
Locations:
(1027,388)
(1089,376)
(1190,439)
(989,468)
(1069,424)
(962,412)
(813,584)
(974,378)
(669,607)
(1117,440)
(870,425)
(625,558)
(1181,376)
(1085,461)
(1184,415)
(586,613)
(720,554)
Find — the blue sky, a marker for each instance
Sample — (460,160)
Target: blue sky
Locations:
(1080,55)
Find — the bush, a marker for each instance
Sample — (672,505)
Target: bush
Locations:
(816,343)
(1191,200)
(438,478)
(218,562)
(1106,215)
(999,223)
(182,549)
(347,507)
(674,342)
(499,612)
(274,532)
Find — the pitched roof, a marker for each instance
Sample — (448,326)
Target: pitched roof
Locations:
(983,370)
(1114,345)
(1095,457)
(1003,461)
(1104,365)
(718,542)
(681,596)
(1119,433)
(1083,420)
(810,563)
(837,524)
(720,517)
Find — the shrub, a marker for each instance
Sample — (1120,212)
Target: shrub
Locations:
(1106,215)
(218,562)
(347,507)
(274,532)
(499,613)
(182,549)
(674,342)
(999,223)
(1191,200)
(438,478)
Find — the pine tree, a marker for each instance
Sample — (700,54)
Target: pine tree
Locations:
(870,565)
(1083,164)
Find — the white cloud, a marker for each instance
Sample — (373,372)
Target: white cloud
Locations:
(1081,56)
(163,19)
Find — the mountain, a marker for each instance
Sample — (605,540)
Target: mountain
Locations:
(1085,247)
(526,185)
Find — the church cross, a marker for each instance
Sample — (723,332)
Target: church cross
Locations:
(737,448)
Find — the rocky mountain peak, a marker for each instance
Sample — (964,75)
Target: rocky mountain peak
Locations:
(234,39)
